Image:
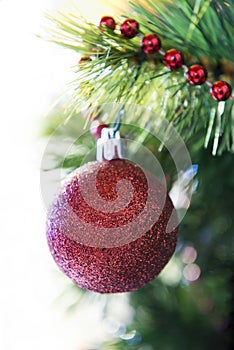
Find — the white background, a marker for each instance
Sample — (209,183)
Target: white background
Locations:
(33,73)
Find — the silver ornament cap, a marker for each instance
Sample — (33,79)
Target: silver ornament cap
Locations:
(109,145)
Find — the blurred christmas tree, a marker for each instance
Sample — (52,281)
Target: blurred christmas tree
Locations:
(190,305)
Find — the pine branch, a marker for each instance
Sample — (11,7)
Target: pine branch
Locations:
(118,71)
(203,28)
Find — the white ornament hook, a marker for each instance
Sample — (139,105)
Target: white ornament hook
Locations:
(109,145)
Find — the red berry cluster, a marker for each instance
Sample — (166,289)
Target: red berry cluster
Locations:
(173,59)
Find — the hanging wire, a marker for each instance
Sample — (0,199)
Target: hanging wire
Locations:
(118,121)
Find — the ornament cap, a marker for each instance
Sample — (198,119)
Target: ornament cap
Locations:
(109,145)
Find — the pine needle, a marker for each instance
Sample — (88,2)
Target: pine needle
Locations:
(118,72)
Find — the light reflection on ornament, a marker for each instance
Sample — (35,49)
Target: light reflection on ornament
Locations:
(129,335)
(132,337)
(183,187)
(192,272)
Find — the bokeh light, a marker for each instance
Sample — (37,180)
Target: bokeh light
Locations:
(188,255)
(192,272)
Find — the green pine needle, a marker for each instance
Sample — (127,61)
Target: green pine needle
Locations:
(119,72)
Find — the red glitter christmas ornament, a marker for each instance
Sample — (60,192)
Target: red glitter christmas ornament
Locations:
(196,75)
(129,28)
(150,44)
(108,22)
(112,227)
(173,59)
(221,91)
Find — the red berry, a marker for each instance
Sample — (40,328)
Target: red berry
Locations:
(108,22)
(196,75)
(84,59)
(221,91)
(96,129)
(173,59)
(150,44)
(129,28)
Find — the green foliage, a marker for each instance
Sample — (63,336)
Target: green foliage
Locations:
(187,315)
(193,315)
(200,27)
(184,315)
(119,72)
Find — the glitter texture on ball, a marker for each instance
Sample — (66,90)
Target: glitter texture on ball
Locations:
(84,227)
